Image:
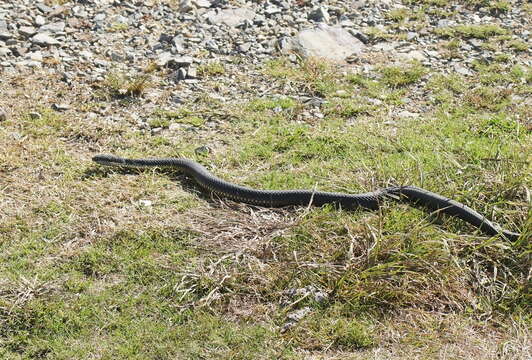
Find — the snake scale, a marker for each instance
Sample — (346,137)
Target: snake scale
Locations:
(278,198)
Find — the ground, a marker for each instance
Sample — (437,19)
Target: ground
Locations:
(101,263)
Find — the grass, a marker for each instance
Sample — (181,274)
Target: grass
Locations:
(120,85)
(109,263)
(484,31)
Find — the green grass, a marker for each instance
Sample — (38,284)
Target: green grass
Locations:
(108,263)
(472,31)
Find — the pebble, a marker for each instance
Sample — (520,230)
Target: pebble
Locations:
(3,115)
(319,14)
(44,39)
(60,107)
(202,150)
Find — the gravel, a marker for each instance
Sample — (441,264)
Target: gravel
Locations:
(82,41)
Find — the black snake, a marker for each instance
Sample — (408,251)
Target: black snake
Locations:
(277,198)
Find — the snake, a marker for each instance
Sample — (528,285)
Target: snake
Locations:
(279,198)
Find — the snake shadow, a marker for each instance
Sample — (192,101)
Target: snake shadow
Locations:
(187,183)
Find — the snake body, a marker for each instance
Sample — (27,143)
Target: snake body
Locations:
(278,198)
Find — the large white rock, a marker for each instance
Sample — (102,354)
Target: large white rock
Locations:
(231,17)
(324,41)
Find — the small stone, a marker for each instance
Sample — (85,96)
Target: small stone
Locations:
(294,317)
(179,43)
(145,203)
(462,70)
(53,28)
(407,114)
(44,8)
(413,55)
(5,35)
(180,74)
(319,14)
(272,10)
(167,59)
(60,107)
(192,73)
(86,54)
(99,17)
(320,297)
(40,20)
(3,115)
(175,126)
(202,150)
(411,36)
(35,56)
(27,31)
(202,3)
(244,47)
(4,51)
(20,51)
(185,6)
(44,39)
(35,115)
(231,17)
(298,314)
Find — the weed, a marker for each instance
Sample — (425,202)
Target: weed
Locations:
(472,31)
(211,69)
(118,27)
(397,76)
(518,45)
(121,85)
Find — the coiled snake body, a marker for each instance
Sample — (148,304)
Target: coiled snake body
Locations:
(278,198)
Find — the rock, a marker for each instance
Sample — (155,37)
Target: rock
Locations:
(44,8)
(145,203)
(202,3)
(163,58)
(192,73)
(3,115)
(179,75)
(5,35)
(44,39)
(4,51)
(319,14)
(35,56)
(231,17)
(333,43)
(185,6)
(462,70)
(35,115)
(169,60)
(179,43)
(244,47)
(60,107)
(53,28)
(27,31)
(40,20)
(294,317)
(407,114)
(359,35)
(412,55)
(202,150)
(272,10)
